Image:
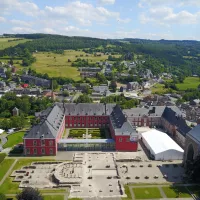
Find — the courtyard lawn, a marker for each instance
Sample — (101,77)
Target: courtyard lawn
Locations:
(127,192)
(4,166)
(189,83)
(195,190)
(176,191)
(76,133)
(55,197)
(14,139)
(147,193)
(97,133)
(11,42)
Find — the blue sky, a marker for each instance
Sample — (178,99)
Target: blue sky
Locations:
(149,19)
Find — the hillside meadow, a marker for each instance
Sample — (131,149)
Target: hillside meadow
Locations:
(57,65)
(11,42)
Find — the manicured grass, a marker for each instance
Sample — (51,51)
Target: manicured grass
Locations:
(97,133)
(195,190)
(14,139)
(2,156)
(77,133)
(55,197)
(75,199)
(10,42)
(189,83)
(147,193)
(4,167)
(176,191)
(127,192)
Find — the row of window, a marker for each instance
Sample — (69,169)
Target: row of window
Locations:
(43,152)
(83,118)
(42,143)
(83,125)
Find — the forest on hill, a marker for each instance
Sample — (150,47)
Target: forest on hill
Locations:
(178,57)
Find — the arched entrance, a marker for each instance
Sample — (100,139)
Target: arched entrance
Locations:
(190,153)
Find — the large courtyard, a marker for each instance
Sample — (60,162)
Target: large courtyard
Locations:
(98,174)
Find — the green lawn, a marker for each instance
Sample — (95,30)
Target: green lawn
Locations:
(127,192)
(195,190)
(10,42)
(14,139)
(174,192)
(189,83)
(4,166)
(147,193)
(55,197)
(2,156)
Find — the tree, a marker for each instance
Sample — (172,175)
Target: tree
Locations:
(2,196)
(8,74)
(113,85)
(65,93)
(29,194)
(84,99)
(55,84)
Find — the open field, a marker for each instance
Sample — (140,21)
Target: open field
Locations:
(189,83)
(14,139)
(57,65)
(2,156)
(127,192)
(11,42)
(4,166)
(147,193)
(177,191)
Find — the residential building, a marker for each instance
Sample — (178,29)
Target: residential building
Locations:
(36,81)
(133,86)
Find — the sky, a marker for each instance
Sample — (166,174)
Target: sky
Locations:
(146,19)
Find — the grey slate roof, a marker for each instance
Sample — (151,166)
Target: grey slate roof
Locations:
(195,133)
(89,109)
(49,125)
(175,118)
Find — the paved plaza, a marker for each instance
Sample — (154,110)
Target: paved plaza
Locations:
(98,174)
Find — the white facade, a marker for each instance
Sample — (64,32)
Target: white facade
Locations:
(161,146)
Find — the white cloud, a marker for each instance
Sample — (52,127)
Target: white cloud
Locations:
(143,3)
(26,7)
(2,19)
(23,30)
(106,2)
(125,21)
(20,22)
(83,13)
(166,16)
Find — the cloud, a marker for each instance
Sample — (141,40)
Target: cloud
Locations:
(26,7)
(83,13)
(178,3)
(2,19)
(104,2)
(20,22)
(125,21)
(166,16)
(22,30)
